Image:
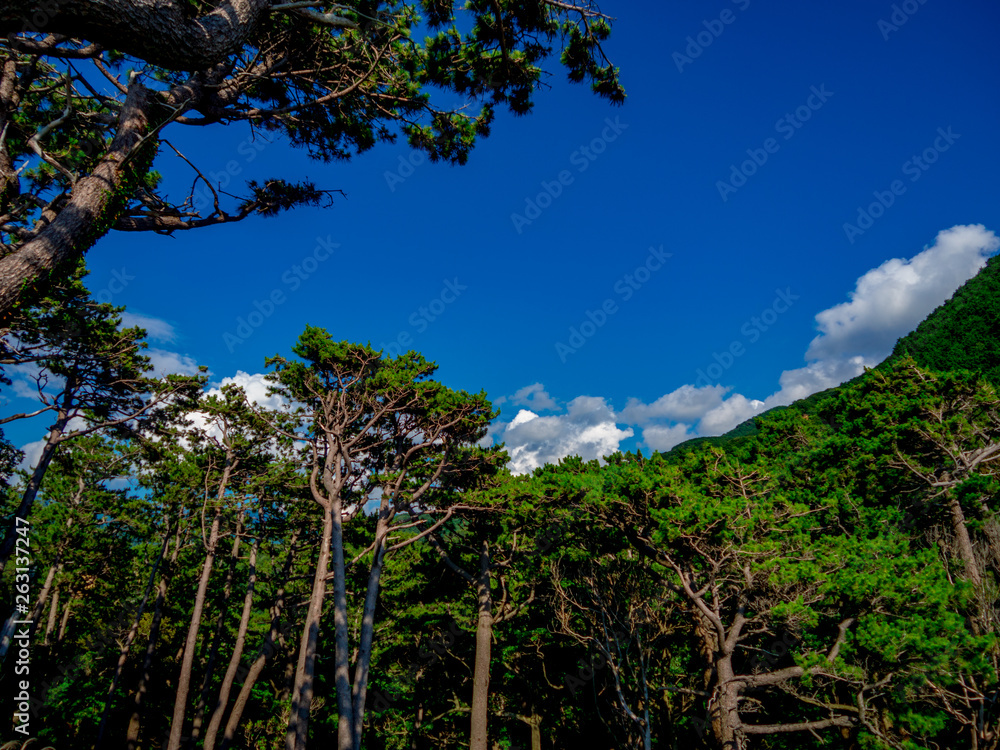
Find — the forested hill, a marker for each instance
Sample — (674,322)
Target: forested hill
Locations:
(961,334)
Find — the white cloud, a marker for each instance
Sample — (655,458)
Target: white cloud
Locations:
(724,417)
(32,452)
(171,363)
(663,438)
(255,386)
(534,397)
(889,301)
(156,329)
(23,388)
(587,429)
(816,377)
(685,404)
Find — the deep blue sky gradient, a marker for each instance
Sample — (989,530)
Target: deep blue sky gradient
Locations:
(654,184)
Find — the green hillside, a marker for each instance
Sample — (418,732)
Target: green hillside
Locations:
(961,334)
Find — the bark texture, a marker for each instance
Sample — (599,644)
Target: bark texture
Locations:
(90,210)
(161,32)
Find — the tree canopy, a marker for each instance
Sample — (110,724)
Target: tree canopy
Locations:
(90,89)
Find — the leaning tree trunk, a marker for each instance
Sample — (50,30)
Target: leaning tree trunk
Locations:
(126,647)
(305,672)
(191,643)
(234,661)
(55,437)
(220,624)
(265,651)
(160,32)
(93,206)
(964,542)
(138,702)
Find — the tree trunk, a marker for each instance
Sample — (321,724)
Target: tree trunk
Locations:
(366,637)
(191,643)
(132,633)
(484,644)
(50,626)
(43,597)
(265,651)
(220,624)
(304,685)
(725,713)
(65,619)
(93,206)
(35,482)
(964,542)
(135,722)
(234,661)
(161,32)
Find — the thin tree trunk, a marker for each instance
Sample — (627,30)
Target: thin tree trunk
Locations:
(220,624)
(367,634)
(34,484)
(342,674)
(484,642)
(963,541)
(65,619)
(129,639)
(191,643)
(43,596)
(135,722)
(234,661)
(303,687)
(263,654)
(50,626)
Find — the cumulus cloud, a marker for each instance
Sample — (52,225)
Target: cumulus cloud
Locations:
(171,363)
(156,329)
(724,417)
(685,404)
(889,301)
(32,452)
(534,397)
(255,386)
(816,377)
(587,429)
(663,438)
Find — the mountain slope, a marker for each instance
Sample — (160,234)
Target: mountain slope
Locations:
(961,334)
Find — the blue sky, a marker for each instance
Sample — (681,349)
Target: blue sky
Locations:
(716,196)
